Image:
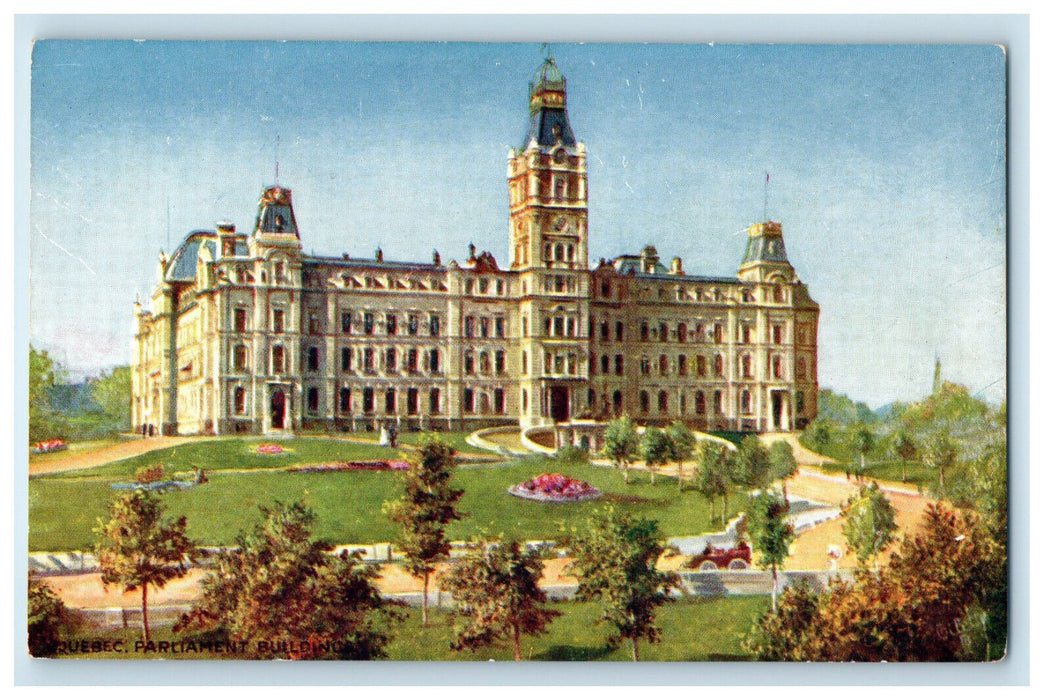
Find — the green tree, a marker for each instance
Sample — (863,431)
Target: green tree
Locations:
(278,584)
(44,373)
(714,474)
(615,562)
(905,448)
(863,443)
(681,444)
(428,506)
(868,523)
(784,635)
(940,453)
(496,586)
(112,392)
(821,434)
(48,619)
(752,464)
(621,444)
(654,449)
(137,548)
(770,534)
(783,464)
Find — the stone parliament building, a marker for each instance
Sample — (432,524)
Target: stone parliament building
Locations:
(247,334)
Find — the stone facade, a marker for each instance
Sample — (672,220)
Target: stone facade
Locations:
(247,333)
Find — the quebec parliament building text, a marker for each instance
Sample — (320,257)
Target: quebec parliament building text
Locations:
(247,334)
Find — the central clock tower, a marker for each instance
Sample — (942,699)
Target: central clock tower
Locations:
(547,183)
(548,195)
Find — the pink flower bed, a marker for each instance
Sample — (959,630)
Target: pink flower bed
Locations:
(49,446)
(555,488)
(376,466)
(269,449)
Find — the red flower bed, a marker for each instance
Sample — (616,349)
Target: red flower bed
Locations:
(49,446)
(555,488)
(376,466)
(269,449)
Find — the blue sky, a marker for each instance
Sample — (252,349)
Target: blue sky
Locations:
(886,169)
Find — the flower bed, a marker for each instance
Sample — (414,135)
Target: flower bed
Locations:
(376,466)
(555,488)
(269,449)
(49,446)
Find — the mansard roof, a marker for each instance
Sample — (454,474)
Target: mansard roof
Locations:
(183,264)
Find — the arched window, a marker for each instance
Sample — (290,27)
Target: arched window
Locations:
(468,362)
(663,364)
(682,365)
(483,363)
(604,330)
(391,360)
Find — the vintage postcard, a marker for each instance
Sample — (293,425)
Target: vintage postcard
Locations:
(538,352)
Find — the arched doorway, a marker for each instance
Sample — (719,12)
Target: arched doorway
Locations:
(277,410)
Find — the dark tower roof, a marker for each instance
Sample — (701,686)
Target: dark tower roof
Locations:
(765,245)
(548,120)
(275,212)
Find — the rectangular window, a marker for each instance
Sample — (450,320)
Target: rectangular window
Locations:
(484,327)
(499,321)
(346,320)
(412,360)
(468,362)
(391,360)
(414,324)
(239,400)
(618,365)
(368,400)
(312,400)
(434,366)
(777,335)
(498,401)
(279,321)
(344,357)
(369,322)
(436,401)
(391,402)
(240,320)
(315,323)
(369,360)
(313,358)
(278,360)
(344,400)
(436,325)
(392,324)
(412,402)
(644,331)
(501,363)
(468,327)
(468,401)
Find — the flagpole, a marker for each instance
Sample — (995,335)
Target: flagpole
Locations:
(766,193)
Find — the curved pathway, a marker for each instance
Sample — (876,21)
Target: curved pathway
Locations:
(74,459)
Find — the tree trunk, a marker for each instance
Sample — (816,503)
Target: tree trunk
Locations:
(725,497)
(862,466)
(711,510)
(680,477)
(941,478)
(426,580)
(784,489)
(904,479)
(773,591)
(518,647)
(625,473)
(653,476)
(145,619)
(634,648)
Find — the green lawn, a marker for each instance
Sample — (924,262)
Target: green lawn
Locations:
(890,470)
(694,629)
(64,509)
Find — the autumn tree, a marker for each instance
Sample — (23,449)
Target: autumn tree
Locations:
(714,474)
(783,465)
(905,448)
(868,523)
(615,562)
(654,449)
(137,548)
(912,612)
(621,444)
(681,444)
(47,618)
(940,453)
(496,587)
(428,506)
(278,583)
(752,464)
(770,534)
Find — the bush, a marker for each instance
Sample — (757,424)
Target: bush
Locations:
(150,475)
(572,454)
(48,619)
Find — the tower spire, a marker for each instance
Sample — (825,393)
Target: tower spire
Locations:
(277,163)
